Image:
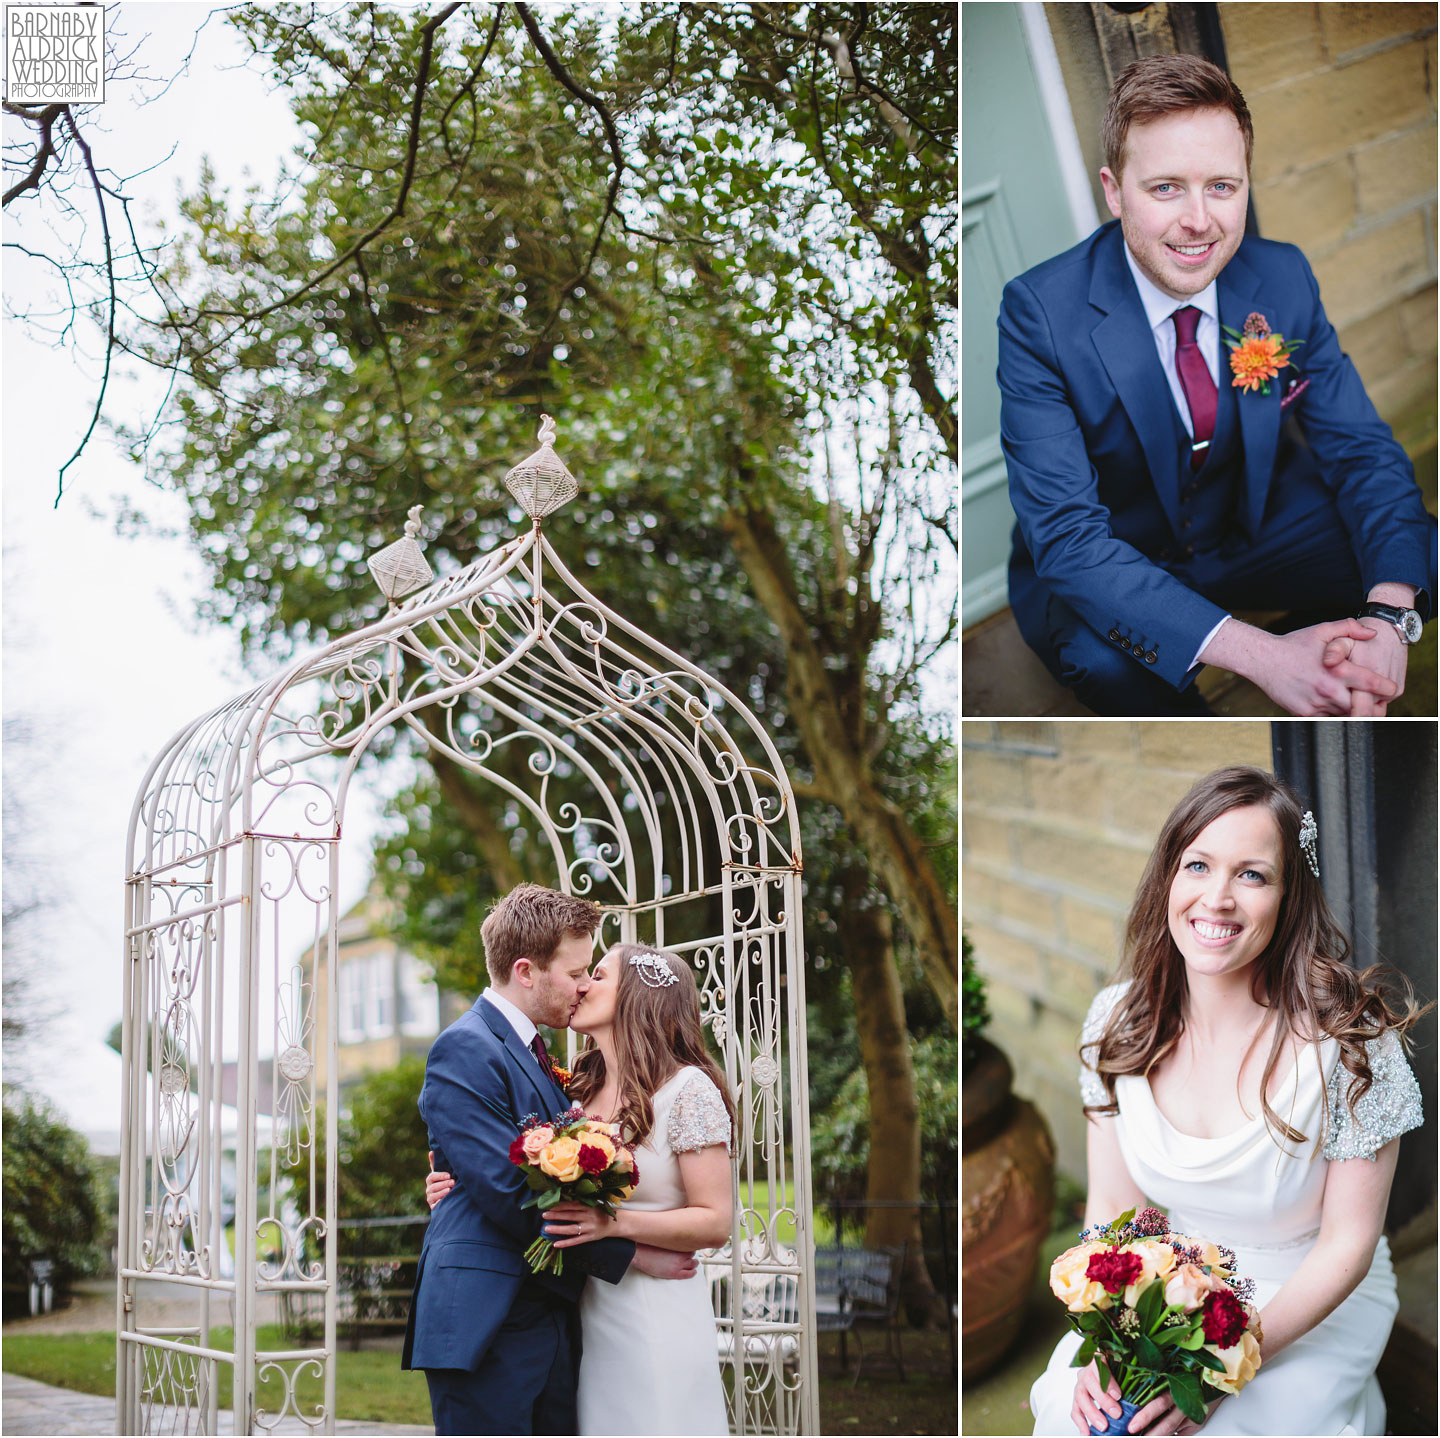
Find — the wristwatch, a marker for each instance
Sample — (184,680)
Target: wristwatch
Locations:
(1407,621)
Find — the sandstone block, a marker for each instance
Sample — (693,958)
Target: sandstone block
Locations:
(1266,44)
(1197,748)
(988,778)
(1312,118)
(1075,788)
(1351,28)
(1312,209)
(1418,319)
(1099,738)
(1378,345)
(1396,171)
(986,839)
(1005,960)
(1374,268)
(1093,929)
(1082,861)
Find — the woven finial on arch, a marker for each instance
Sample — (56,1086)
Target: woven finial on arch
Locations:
(542,483)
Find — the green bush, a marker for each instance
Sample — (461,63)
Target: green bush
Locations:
(53,1200)
(974,1012)
(382,1153)
(840,1134)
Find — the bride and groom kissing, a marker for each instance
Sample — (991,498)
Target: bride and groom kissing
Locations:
(502,1347)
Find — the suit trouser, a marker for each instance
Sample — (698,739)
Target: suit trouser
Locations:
(524,1384)
(1305,565)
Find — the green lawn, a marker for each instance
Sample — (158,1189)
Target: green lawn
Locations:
(371,1387)
(369,1384)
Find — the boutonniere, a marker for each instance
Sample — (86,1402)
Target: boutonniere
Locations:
(1257,355)
(563,1077)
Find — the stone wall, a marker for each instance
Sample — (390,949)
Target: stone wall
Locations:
(1058,819)
(1343,100)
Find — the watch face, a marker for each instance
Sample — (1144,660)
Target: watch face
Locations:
(1410,626)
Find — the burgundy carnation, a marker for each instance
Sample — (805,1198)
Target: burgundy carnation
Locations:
(1223,1320)
(592,1159)
(1114,1270)
(517,1149)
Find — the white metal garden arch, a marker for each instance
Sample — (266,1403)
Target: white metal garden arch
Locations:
(691,830)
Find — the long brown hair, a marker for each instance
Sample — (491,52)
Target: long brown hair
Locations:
(657,1033)
(1303,974)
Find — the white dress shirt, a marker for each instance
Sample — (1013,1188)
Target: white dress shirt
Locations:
(522,1023)
(1159,307)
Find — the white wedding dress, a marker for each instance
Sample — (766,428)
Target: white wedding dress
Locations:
(1243,1191)
(649,1363)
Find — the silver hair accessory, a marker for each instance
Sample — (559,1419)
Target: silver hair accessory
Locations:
(654,972)
(1308,835)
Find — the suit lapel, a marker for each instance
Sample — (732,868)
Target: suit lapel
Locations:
(1126,348)
(1238,287)
(547,1091)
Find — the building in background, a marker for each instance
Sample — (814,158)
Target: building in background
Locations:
(387,1004)
(1344,103)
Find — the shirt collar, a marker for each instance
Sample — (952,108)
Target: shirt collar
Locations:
(1159,306)
(523,1025)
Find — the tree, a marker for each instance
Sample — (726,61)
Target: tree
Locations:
(52,1200)
(716,241)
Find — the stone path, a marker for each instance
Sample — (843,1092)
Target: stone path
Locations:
(31,1407)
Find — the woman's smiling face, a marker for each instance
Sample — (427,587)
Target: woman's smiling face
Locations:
(1225,896)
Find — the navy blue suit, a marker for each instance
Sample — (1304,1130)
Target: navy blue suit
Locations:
(500,1347)
(1123,560)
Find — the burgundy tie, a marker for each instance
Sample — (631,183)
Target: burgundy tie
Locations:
(1195,380)
(541,1052)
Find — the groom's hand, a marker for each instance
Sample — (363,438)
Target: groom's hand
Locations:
(664,1262)
(1384,655)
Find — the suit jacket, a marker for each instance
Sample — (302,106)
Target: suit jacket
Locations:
(480,1083)
(1088,428)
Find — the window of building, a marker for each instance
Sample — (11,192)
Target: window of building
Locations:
(353,975)
(380,996)
(419,1000)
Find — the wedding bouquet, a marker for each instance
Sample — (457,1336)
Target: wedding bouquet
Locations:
(571,1158)
(1159,1310)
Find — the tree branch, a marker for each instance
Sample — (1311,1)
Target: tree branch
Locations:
(45,119)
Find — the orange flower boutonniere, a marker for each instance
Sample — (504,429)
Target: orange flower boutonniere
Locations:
(1257,355)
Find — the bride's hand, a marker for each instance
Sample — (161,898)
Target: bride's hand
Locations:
(1094,1406)
(1160,1415)
(437,1185)
(570,1223)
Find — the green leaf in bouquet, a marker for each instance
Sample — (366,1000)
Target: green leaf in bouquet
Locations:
(584,1188)
(1124,1218)
(1206,1359)
(1146,1353)
(1087,1319)
(1186,1393)
(1084,1354)
(1193,1339)
(1151,1305)
(547,1201)
(536,1180)
(1103,1369)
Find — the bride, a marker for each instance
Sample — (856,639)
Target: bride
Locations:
(1244,1077)
(649,1362)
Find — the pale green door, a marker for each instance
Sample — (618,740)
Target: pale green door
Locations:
(1015,214)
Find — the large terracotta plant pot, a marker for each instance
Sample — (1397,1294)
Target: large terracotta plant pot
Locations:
(1007,1181)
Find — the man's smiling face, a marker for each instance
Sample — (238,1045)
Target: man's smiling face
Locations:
(1180,198)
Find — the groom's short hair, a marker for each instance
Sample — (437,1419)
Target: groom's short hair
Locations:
(531,922)
(1160,85)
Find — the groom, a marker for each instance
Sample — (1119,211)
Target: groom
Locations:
(500,1346)
(1153,497)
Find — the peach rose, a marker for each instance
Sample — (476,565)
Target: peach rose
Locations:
(1241,1360)
(535,1139)
(1158,1260)
(624,1160)
(1070,1285)
(561,1159)
(1189,1286)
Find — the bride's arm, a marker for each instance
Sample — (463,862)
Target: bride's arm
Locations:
(1109,1188)
(1352,1218)
(704,1222)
